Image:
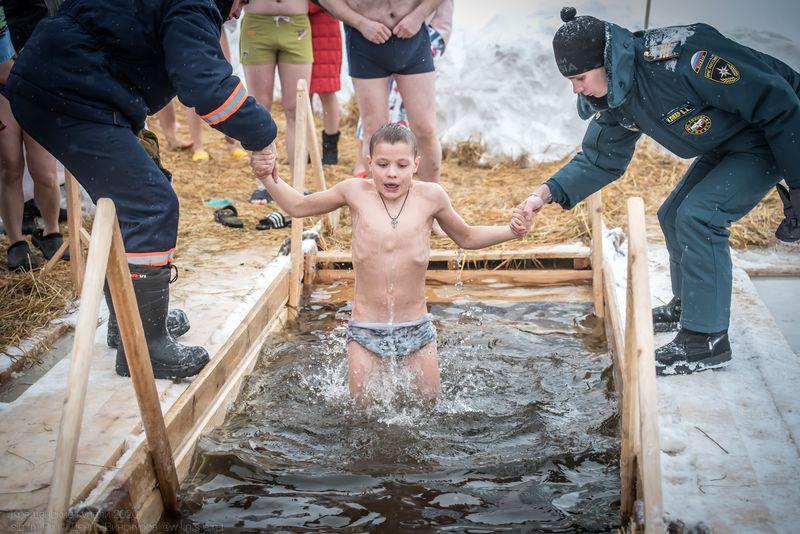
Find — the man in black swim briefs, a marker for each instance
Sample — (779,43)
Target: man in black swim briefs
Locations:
(390,39)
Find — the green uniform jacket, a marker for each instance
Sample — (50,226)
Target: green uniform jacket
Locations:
(689,88)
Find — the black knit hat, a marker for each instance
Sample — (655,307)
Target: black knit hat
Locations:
(579,45)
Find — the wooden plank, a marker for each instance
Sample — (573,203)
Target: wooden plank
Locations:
(614,332)
(310,268)
(480,276)
(136,476)
(441,255)
(55,259)
(138,357)
(331,220)
(298,178)
(780,270)
(644,354)
(72,414)
(74,223)
(629,446)
(596,217)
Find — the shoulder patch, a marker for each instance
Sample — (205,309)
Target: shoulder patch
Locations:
(697,60)
(698,125)
(662,51)
(672,116)
(721,71)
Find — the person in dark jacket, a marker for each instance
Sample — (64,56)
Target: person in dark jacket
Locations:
(703,96)
(83,86)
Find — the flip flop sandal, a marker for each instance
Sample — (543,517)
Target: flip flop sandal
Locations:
(260,194)
(228,216)
(274,220)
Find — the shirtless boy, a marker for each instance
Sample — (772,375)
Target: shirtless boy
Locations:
(276,33)
(389,38)
(391,217)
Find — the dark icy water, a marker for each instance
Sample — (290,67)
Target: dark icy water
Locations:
(523,439)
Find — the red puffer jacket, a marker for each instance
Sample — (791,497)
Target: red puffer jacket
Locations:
(326,38)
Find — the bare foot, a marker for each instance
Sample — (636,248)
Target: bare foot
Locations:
(176,143)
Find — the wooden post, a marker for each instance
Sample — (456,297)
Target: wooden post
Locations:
(69,431)
(331,220)
(642,324)
(596,218)
(138,356)
(630,410)
(298,178)
(74,224)
(310,268)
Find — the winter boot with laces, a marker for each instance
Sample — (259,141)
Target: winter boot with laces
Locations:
(692,352)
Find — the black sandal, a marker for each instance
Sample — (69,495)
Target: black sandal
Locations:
(260,194)
(274,220)
(228,216)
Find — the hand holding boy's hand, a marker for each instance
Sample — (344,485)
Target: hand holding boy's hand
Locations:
(264,163)
(520,224)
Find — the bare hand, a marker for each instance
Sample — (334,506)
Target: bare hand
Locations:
(408,26)
(374,32)
(531,206)
(264,163)
(520,224)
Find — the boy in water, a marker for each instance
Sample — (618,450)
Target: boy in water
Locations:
(391,218)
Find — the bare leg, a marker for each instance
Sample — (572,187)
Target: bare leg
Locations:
(196,131)
(12,167)
(372,96)
(419,97)
(290,74)
(425,365)
(169,124)
(330,112)
(42,167)
(361,364)
(261,84)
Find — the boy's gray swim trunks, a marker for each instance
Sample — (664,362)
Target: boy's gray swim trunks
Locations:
(393,340)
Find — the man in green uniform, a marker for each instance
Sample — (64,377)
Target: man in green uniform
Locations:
(703,96)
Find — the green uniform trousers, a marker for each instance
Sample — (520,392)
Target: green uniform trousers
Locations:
(720,187)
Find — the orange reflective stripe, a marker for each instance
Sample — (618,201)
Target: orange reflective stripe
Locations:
(152,259)
(229,107)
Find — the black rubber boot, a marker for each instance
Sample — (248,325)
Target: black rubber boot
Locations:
(20,257)
(666,318)
(692,352)
(49,244)
(177,322)
(169,358)
(330,148)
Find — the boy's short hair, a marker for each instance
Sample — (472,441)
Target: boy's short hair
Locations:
(393,133)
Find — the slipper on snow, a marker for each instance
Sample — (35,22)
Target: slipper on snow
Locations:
(275,219)
(260,194)
(228,216)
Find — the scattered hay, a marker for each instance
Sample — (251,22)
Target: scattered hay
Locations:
(466,153)
(30,301)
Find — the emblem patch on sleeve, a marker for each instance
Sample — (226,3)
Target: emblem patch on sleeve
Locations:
(697,60)
(698,125)
(671,116)
(721,71)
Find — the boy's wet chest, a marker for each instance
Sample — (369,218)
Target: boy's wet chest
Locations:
(376,232)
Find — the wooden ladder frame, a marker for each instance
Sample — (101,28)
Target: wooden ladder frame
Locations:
(106,258)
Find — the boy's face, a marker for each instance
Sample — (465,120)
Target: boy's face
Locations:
(393,166)
(591,83)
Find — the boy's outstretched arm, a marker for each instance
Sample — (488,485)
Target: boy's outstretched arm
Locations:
(289,199)
(473,237)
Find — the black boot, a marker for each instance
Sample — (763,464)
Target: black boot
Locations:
(692,352)
(169,358)
(330,148)
(667,317)
(177,322)
(49,244)
(20,257)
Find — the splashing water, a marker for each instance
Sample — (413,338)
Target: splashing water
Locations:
(523,438)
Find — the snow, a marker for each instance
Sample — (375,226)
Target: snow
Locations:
(729,438)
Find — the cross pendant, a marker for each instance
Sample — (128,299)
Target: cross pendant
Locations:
(394,224)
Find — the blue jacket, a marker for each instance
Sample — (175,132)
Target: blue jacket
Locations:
(691,90)
(117,61)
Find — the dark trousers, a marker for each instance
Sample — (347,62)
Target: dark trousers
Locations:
(109,161)
(719,188)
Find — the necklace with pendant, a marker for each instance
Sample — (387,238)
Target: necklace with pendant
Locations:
(394,219)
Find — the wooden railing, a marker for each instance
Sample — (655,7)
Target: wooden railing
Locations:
(305,145)
(106,259)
